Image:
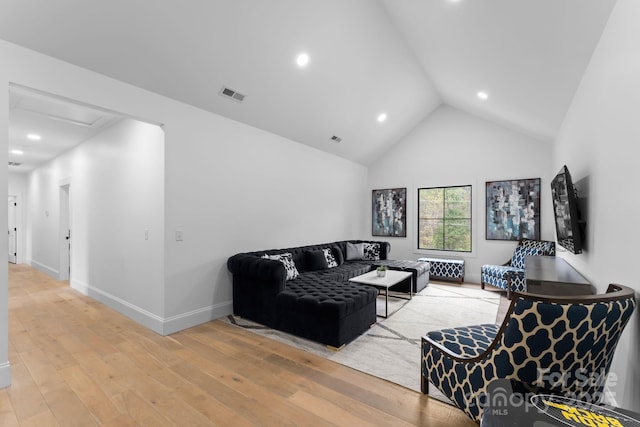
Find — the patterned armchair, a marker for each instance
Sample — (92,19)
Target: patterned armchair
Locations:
(564,345)
(511,276)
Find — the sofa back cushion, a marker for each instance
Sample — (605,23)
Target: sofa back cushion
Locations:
(339,250)
(372,251)
(363,249)
(329,257)
(315,260)
(338,254)
(318,259)
(355,251)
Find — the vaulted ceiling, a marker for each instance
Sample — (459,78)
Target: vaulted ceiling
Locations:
(366,57)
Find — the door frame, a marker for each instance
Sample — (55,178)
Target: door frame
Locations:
(16,219)
(64,234)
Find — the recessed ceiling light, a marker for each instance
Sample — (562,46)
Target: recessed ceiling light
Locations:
(302,60)
(34,137)
(18,152)
(483,95)
(382,117)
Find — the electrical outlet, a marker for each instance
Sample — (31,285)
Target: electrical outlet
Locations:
(146,234)
(179,235)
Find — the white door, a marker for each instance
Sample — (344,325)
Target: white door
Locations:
(65,234)
(13,231)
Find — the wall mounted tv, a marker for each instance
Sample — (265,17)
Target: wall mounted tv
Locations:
(569,224)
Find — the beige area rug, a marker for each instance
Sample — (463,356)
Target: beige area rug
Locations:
(391,348)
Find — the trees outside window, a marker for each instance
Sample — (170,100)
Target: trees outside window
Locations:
(444,218)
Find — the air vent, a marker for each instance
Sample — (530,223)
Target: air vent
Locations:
(335,138)
(14,164)
(232,94)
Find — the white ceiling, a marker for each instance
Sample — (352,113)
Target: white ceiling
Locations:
(402,57)
(59,123)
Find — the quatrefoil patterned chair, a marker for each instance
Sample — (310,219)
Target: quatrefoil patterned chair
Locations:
(550,343)
(511,275)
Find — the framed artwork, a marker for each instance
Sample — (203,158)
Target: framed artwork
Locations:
(389,212)
(513,209)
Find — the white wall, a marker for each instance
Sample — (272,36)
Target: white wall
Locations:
(228,186)
(454,148)
(43,221)
(116,184)
(598,143)
(18,187)
(5,368)
(232,188)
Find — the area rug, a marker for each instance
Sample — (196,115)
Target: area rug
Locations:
(391,348)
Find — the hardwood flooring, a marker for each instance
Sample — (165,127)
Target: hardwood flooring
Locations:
(75,362)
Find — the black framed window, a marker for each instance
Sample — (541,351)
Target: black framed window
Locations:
(444,218)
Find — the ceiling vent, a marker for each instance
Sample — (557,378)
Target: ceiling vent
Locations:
(232,94)
(335,138)
(14,164)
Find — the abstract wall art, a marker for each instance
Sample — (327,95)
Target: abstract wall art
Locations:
(389,212)
(513,209)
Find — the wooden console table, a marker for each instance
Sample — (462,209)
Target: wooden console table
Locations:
(550,275)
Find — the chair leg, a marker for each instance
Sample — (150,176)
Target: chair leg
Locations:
(424,384)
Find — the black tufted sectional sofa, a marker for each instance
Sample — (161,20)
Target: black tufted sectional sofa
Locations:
(320,304)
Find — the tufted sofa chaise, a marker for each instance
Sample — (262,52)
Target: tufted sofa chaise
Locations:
(319,304)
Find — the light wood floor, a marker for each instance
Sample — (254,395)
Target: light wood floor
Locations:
(76,362)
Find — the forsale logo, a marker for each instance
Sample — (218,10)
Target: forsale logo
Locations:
(574,412)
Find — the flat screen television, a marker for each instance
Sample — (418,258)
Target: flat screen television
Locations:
(569,224)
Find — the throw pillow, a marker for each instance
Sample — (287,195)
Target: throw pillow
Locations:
(355,251)
(331,260)
(372,251)
(315,260)
(337,253)
(517,261)
(289,265)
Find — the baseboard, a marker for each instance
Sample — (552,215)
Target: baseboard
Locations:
(49,271)
(160,325)
(133,312)
(5,374)
(197,317)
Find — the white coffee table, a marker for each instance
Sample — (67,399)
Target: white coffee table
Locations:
(391,278)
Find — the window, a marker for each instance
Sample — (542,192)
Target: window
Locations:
(444,218)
